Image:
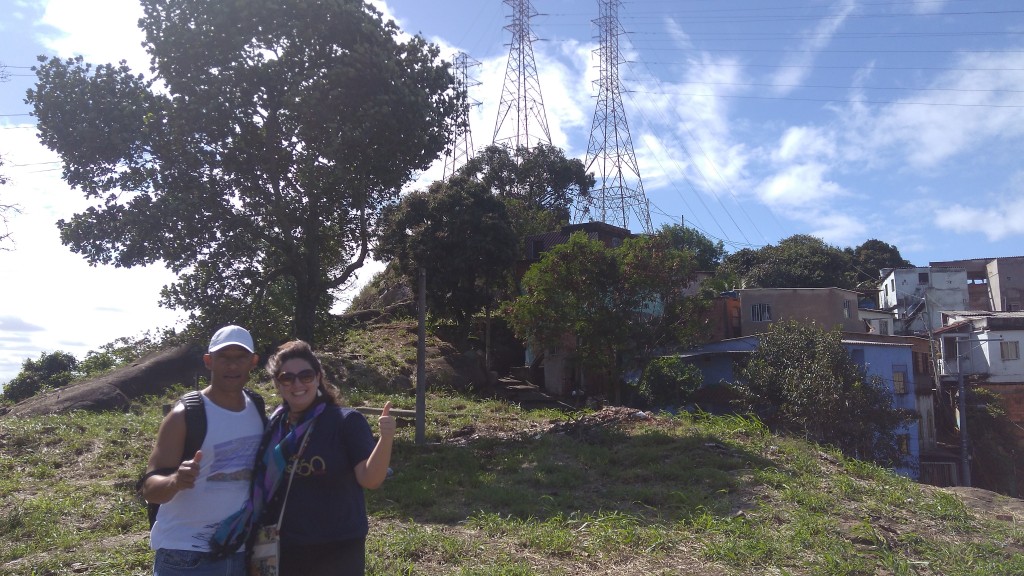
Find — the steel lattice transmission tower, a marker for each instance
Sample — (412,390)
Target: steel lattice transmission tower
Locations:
(521,91)
(619,190)
(462,137)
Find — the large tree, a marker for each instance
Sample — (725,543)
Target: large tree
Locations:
(868,259)
(799,261)
(801,380)
(708,253)
(255,160)
(610,304)
(460,234)
(539,185)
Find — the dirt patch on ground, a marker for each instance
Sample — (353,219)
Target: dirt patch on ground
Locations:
(991,504)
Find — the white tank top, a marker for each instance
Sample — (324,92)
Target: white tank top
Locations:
(229,450)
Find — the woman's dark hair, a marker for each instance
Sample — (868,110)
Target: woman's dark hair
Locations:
(301,349)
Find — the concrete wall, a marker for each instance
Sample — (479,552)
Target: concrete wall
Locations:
(1006,279)
(940,289)
(824,306)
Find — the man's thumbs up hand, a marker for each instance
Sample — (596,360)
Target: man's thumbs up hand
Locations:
(188,472)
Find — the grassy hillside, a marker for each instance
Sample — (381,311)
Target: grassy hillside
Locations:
(500,491)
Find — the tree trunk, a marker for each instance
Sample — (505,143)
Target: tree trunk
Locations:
(306,297)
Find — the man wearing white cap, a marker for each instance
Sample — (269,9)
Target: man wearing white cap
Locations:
(197,491)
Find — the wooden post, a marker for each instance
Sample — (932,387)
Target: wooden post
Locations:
(421,360)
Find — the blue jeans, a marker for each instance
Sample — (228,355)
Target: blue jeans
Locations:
(192,563)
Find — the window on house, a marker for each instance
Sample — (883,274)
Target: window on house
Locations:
(922,365)
(761,312)
(922,277)
(846,308)
(883,327)
(857,355)
(950,349)
(1009,350)
(904,443)
(899,378)
(538,248)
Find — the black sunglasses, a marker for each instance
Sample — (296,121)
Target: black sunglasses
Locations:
(287,378)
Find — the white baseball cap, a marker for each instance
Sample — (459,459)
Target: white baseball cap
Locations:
(229,335)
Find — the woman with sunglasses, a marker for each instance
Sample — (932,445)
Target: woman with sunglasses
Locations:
(324,526)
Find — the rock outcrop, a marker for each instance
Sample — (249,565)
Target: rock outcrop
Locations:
(151,374)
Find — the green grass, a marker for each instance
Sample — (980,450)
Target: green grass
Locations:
(532,493)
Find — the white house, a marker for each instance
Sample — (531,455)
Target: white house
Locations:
(919,295)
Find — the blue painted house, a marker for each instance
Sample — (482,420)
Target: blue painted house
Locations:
(890,358)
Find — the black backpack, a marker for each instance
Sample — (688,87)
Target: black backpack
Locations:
(195,433)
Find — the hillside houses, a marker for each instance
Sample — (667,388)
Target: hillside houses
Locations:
(919,296)
(900,362)
(922,330)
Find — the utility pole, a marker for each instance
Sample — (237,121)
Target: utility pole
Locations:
(421,360)
(965,456)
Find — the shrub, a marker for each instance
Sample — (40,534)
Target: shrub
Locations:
(668,381)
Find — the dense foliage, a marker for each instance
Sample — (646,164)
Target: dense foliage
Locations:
(707,253)
(255,162)
(868,259)
(668,382)
(606,305)
(51,370)
(461,236)
(803,261)
(541,177)
(538,185)
(995,452)
(801,380)
(58,369)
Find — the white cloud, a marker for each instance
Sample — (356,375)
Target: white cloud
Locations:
(800,186)
(799,63)
(803,142)
(963,110)
(51,299)
(835,227)
(103,32)
(1000,219)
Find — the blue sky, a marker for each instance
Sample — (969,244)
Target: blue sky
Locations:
(751,120)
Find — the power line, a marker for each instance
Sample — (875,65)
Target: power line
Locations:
(851,87)
(828,67)
(31,164)
(827,100)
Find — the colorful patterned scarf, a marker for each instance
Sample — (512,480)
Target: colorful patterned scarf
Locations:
(276,449)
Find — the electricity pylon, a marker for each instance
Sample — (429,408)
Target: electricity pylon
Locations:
(462,137)
(521,93)
(619,191)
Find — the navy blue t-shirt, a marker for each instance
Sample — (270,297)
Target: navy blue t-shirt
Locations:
(326,502)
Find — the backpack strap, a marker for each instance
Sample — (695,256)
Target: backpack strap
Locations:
(195,424)
(261,405)
(195,433)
